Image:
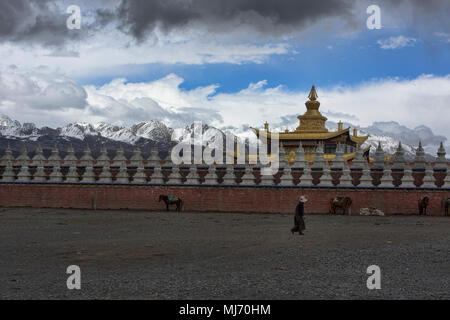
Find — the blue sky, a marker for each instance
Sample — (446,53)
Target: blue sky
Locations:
(332,61)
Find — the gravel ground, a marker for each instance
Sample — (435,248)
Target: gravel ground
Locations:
(166,255)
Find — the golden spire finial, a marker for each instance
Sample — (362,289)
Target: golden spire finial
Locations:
(313,94)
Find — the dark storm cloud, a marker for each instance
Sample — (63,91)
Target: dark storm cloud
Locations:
(141,16)
(44,21)
(270,17)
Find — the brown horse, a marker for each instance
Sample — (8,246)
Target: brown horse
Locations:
(343,203)
(171,200)
(423,204)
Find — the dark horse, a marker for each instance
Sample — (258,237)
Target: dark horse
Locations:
(423,204)
(343,203)
(446,204)
(169,200)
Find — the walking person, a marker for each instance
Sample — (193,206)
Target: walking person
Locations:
(299,223)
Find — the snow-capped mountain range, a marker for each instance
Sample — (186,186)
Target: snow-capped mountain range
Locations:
(153,130)
(145,134)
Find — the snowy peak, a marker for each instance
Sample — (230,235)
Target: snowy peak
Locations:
(406,135)
(389,145)
(6,121)
(78,130)
(208,134)
(115,132)
(154,130)
(9,127)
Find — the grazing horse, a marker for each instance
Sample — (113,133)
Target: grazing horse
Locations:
(446,203)
(343,203)
(170,200)
(423,204)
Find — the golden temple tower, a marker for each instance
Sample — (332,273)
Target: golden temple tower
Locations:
(312,131)
(312,120)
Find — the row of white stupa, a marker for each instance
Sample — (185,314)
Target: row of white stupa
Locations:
(40,163)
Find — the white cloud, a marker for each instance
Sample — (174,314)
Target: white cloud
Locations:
(444,36)
(397,42)
(49,99)
(39,94)
(161,99)
(112,50)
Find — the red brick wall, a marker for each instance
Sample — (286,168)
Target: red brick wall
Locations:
(225,199)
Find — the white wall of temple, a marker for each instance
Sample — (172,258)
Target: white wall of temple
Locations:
(81,170)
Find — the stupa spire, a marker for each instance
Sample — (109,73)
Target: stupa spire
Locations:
(313,94)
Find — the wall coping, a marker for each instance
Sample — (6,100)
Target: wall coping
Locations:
(220,185)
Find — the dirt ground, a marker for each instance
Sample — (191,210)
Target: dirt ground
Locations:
(168,255)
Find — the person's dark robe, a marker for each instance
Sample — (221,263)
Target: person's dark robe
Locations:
(299,223)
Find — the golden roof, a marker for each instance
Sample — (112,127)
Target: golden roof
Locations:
(312,125)
(313,135)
